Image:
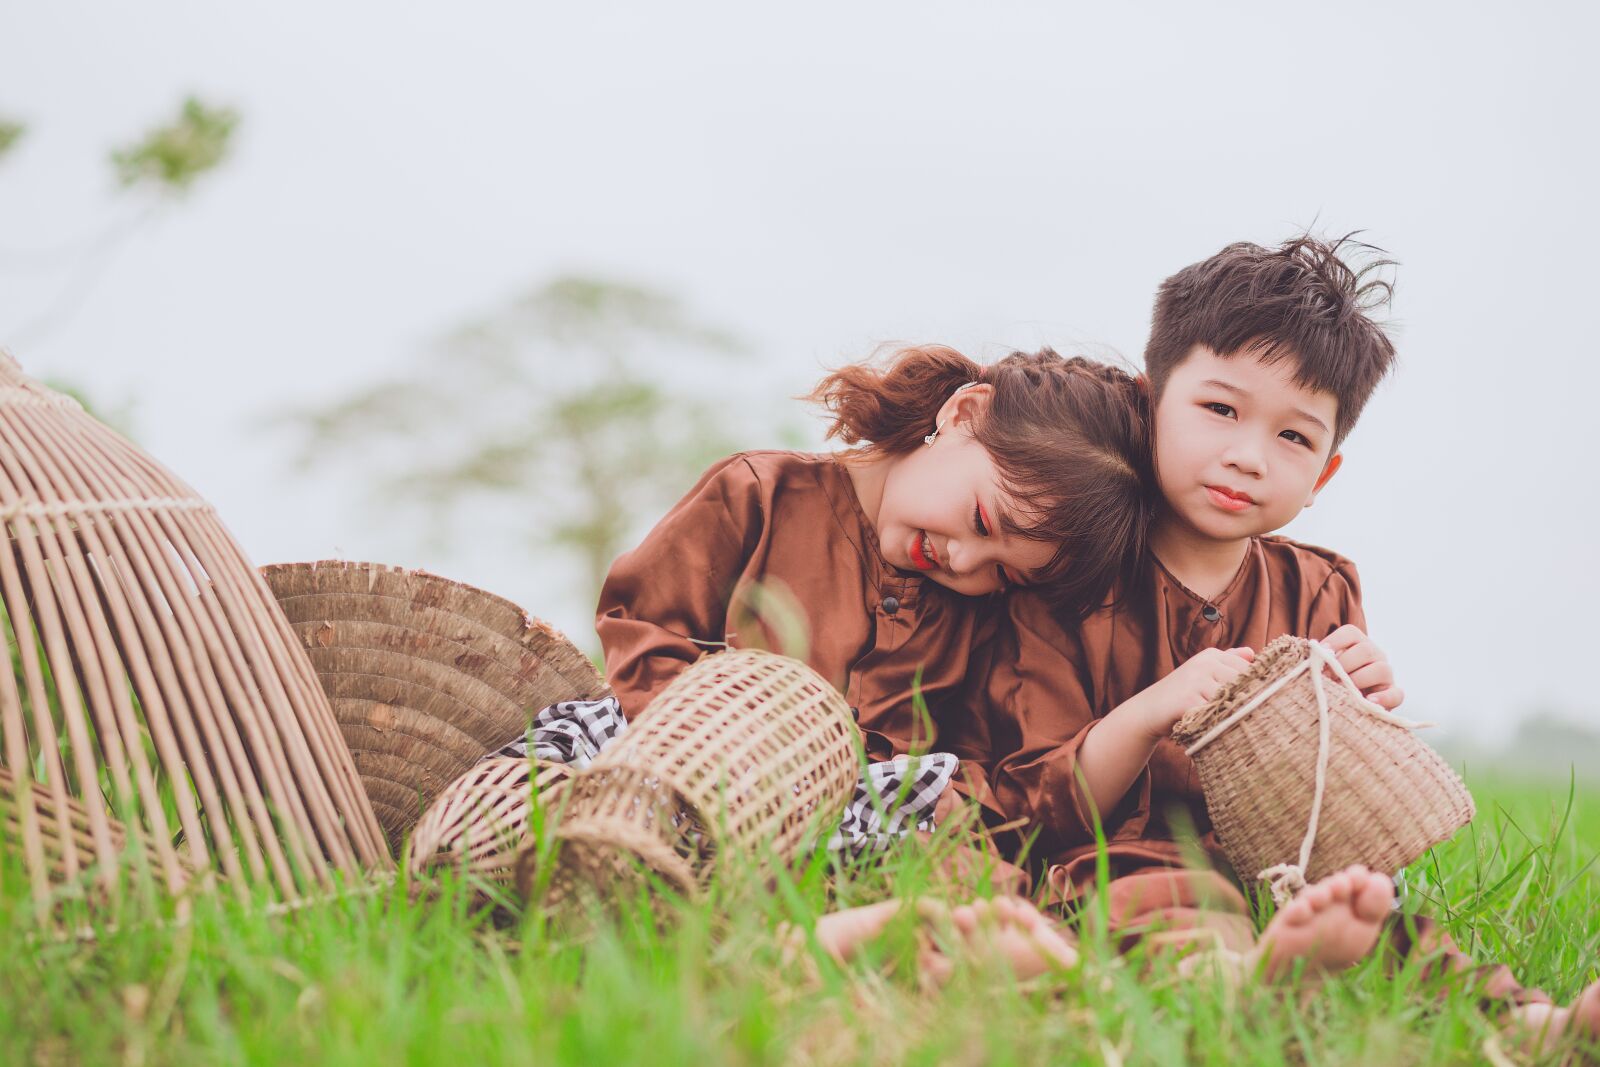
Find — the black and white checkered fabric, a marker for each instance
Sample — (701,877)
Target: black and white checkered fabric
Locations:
(892,799)
(571,732)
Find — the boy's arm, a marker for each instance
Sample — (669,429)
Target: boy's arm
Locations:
(1032,707)
(665,603)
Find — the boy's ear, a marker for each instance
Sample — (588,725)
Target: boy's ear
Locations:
(1335,461)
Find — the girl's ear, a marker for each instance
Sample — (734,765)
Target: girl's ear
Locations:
(966,405)
(1335,461)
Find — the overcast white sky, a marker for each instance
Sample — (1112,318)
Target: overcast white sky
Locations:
(833,175)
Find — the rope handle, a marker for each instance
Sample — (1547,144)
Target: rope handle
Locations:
(1287,879)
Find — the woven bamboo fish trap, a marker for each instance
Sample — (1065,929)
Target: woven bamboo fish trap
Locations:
(1303,776)
(158,699)
(743,754)
(482,819)
(425,674)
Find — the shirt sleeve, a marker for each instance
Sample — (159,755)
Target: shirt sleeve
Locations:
(1337,603)
(665,603)
(1033,709)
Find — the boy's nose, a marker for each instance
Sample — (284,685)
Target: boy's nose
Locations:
(1246,458)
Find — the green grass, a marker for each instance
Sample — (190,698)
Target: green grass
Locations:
(382,977)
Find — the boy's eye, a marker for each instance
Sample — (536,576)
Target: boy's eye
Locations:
(977,521)
(1297,437)
(1225,410)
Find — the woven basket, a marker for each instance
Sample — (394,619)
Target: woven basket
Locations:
(742,754)
(425,674)
(480,821)
(1387,797)
(156,692)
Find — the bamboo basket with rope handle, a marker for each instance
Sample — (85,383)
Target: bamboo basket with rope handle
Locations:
(157,699)
(1303,776)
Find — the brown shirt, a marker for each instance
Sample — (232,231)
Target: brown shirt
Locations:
(784,531)
(1042,687)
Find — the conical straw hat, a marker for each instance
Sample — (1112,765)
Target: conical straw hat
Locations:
(426,675)
(157,694)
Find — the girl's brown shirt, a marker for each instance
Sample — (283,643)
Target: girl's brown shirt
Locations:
(1040,687)
(772,549)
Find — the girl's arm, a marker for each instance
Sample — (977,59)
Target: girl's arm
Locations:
(665,604)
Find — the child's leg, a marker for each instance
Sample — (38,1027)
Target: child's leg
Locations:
(1330,925)
(1009,929)
(1179,908)
(1534,1021)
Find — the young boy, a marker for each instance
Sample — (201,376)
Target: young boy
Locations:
(1258,365)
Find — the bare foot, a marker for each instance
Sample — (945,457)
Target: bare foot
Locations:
(1541,1028)
(1330,925)
(841,933)
(1017,933)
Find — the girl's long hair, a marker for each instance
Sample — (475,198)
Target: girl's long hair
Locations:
(1070,438)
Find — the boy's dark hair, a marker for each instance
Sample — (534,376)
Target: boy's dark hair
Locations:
(1069,437)
(1300,301)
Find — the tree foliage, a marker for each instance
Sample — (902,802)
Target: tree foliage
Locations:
(590,403)
(10,133)
(170,157)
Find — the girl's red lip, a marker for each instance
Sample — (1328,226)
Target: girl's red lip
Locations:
(1227,499)
(919,558)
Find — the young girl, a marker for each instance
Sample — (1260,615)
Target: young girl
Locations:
(968,480)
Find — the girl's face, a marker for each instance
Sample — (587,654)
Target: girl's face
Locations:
(944,510)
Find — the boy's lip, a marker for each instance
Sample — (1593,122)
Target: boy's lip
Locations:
(1229,499)
(922,553)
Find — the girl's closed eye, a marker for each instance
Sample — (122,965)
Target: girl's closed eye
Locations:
(980,521)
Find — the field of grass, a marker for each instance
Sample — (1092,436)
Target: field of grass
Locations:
(389,976)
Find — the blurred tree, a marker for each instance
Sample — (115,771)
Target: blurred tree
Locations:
(10,134)
(169,158)
(592,403)
(160,167)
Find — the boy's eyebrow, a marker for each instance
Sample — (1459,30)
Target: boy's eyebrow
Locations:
(1228,387)
(1304,414)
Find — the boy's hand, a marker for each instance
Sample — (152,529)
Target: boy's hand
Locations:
(1366,665)
(1195,683)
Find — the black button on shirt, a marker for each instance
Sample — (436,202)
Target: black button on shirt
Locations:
(1211,613)
(891,605)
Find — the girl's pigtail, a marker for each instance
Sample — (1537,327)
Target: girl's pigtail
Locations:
(891,408)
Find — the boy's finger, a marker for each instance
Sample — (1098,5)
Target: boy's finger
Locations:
(1373,676)
(1358,656)
(1343,638)
(1243,652)
(1388,699)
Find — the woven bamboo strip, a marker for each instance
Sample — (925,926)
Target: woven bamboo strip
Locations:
(481,820)
(156,686)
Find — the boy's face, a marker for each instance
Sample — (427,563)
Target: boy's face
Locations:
(1240,446)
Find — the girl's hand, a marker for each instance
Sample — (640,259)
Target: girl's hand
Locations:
(1197,682)
(1366,665)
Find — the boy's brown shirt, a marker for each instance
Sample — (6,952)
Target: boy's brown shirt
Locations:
(1040,687)
(790,522)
